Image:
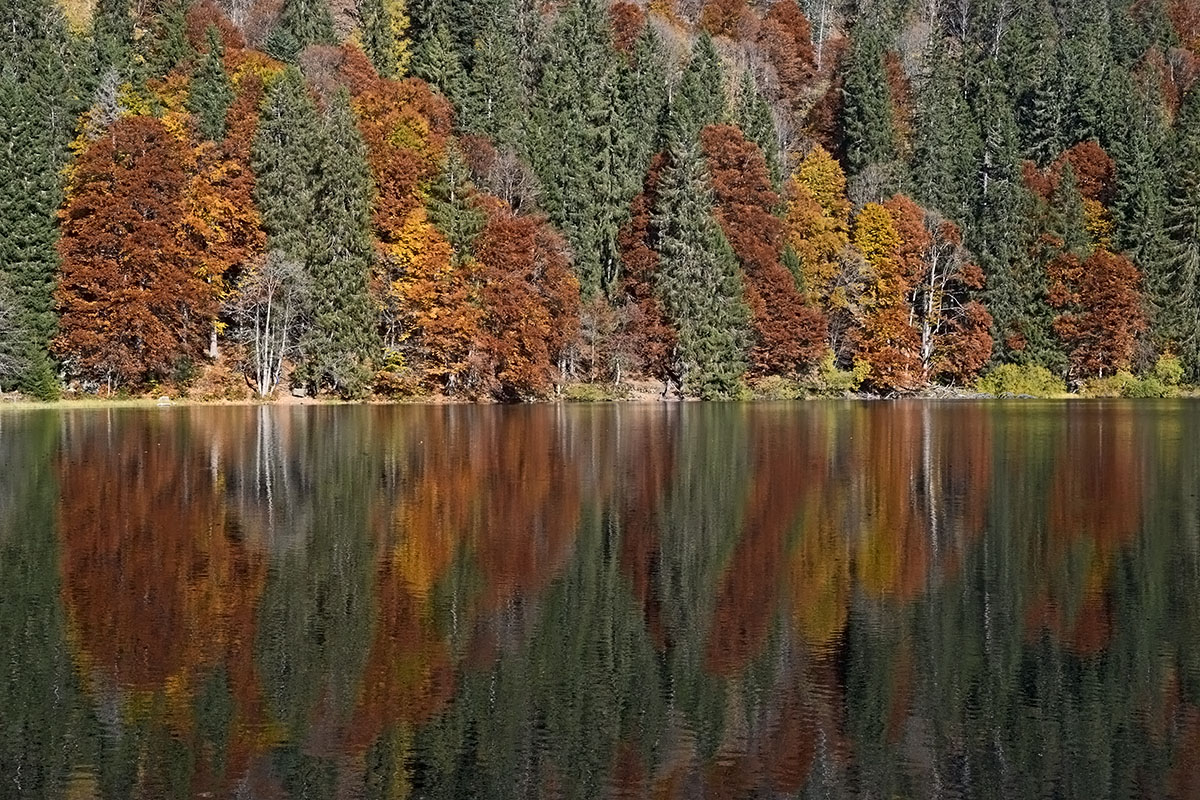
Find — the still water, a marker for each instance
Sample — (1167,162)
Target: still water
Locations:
(827,600)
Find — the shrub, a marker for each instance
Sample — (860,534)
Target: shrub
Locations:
(1168,370)
(1014,379)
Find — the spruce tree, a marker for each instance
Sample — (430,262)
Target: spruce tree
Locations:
(436,60)
(646,87)
(285,158)
(37,114)
(700,98)
(946,141)
(753,116)
(868,120)
(1181,283)
(493,103)
(211,92)
(1141,200)
(382,25)
(168,47)
(1001,236)
(341,343)
(112,38)
(698,280)
(578,144)
(451,205)
(1068,222)
(302,23)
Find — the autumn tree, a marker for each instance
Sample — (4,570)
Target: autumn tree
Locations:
(1101,311)
(885,338)
(789,334)
(818,232)
(131,305)
(650,339)
(531,304)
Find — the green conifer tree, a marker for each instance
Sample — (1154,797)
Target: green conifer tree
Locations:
(493,103)
(436,60)
(451,206)
(868,119)
(341,343)
(112,38)
(168,47)
(284,157)
(1181,279)
(378,37)
(646,87)
(700,97)
(302,23)
(946,141)
(698,280)
(753,116)
(1067,220)
(578,144)
(38,108)
(211,92)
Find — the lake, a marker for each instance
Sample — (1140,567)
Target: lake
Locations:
(822,599)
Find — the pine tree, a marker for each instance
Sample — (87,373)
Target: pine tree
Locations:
(436,60)
(211,92)
(753,116)
(37,115)
(700,98)
(578,143)
(284,157)
(698,281)
(646,87)
(868,119)
(1181,280)
(112,38)
(341,343)
(1001,235)
(946,151)
(302,23)
(1141,200)
(451,205)
(168,48)
(493,105)
(383,30)
(1068,223)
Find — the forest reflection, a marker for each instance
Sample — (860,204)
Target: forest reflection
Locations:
(817,600)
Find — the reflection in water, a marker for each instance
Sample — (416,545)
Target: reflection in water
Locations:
(817,600)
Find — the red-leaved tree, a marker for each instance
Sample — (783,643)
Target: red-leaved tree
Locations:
(131,302)
(789,334)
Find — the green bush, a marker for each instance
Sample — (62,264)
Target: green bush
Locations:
(775,387)
(1150,386)
(1168,370)
(1125,384)
(1015,379)
(832,380)
(594,392)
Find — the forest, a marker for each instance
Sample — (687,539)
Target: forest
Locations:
(505,199)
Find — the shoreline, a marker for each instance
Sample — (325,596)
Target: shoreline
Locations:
(19,403)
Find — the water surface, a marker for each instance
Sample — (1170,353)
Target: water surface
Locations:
(826,600)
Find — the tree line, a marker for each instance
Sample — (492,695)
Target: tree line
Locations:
(491,198)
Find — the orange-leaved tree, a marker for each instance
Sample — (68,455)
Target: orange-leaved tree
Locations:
(531,303)
(132,305)
(789,333)
(885,338)
(1101,311)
